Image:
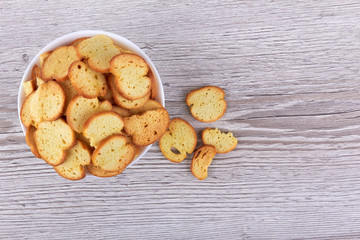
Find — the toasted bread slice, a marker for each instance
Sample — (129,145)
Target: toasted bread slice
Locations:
(31,141)
(52,138)
(56,65)
(102,125)
(80,109)
(114,154)
(77,41)
(147,128)
(69,91)
(48,102)
(201,160)
(122,50)
(76,158)
(149,105)
(98,50)
(29,87)
(181,137)
(25,112)
(108,96)
(81,137)
(35,72)
(154,91)
(129,139)
(87,82)
(207,104)
(43,57)
(39,81)
(137,150)
(99,172)
(123,102)
(131,72)
(121,111)
(223,142)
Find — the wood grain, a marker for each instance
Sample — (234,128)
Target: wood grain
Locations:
(290,70)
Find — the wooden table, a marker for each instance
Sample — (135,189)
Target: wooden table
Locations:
(290,71)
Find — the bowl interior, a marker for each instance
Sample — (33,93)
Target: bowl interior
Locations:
(118,40)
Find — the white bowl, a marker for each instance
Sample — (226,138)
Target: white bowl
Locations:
(118,40)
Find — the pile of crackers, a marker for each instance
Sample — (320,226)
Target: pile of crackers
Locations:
(91,105)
